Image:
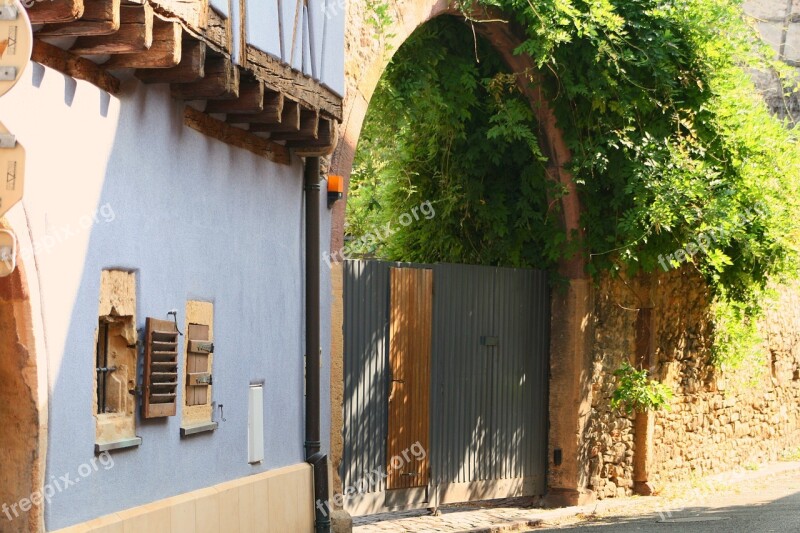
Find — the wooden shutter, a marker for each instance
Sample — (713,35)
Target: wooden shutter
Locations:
(198,369)
(160,369)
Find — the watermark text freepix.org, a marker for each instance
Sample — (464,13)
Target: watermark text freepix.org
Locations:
(56,485)
(416,452)
(704,240)
(61,234)
(370,239)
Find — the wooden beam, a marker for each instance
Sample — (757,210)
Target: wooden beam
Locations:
(100,17)
(309,123)
(242,59)
(164,53)
(193,13)
(55,11)
(290,120)
(235,136)
(273,109)
(219,30)
(280,77)
(327,137)
(191,68)
(251,100)
(74,66)
(135,34)
(221,81)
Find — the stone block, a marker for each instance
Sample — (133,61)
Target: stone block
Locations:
(341,522)
(791,50)
(771,33)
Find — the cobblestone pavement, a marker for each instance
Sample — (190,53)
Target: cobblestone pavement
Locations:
(451,519)
(520,515)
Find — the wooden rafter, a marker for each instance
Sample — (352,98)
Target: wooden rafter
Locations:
(289,120)
(280,77)
(74,66)
(100,17)
(191,68)
(221,81)
(135,34)
(260,104)
(271,114)
(307,128)
(237,137)
(165,51)
(251,100)
(55,11)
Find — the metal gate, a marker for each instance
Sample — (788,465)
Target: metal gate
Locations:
(445,370)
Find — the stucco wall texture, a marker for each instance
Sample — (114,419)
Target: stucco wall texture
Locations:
(121,183)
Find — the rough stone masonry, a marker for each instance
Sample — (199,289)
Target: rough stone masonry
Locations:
(718,419)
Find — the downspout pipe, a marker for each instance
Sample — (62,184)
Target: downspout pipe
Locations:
(313,444)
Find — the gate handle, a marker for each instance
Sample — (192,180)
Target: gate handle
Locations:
(391,391)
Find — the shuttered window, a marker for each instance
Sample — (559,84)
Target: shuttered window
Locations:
(116,363)
(198,377)
(197,415)
(160,369)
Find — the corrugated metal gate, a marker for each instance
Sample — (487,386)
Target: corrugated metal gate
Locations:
(488,357)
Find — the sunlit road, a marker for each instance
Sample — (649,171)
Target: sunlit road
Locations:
(769,506)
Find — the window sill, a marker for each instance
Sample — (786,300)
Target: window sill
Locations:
(194,429)
(117,445)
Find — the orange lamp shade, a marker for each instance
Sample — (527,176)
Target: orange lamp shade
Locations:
(335,184)
(335,189)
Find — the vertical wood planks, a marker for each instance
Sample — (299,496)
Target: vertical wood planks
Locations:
(411,316)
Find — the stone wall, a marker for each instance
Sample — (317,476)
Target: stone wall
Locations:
(778,23)
(718,420)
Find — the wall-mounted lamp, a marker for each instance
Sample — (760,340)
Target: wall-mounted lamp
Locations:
(335,189)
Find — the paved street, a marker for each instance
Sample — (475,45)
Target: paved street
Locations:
(772,506)
(764,500)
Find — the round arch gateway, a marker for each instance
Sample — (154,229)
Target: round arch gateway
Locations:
(569,398)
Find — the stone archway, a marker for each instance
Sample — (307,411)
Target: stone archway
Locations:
(570,389)
(22,433)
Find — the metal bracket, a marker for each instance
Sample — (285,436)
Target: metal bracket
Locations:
(200,379)
(7,140)
(201,346)
(8,12)
(487,340)
(8,73)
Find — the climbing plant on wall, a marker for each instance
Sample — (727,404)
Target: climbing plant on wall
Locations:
(677,157)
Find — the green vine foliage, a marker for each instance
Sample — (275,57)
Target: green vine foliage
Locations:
(673,148)
(445,128)
(671,141)
(636,392)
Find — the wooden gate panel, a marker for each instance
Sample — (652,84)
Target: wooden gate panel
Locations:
(411,318)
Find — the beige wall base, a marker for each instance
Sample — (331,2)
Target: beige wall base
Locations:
(273,502)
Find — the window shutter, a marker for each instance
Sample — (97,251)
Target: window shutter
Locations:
(160,369)
(198,375)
